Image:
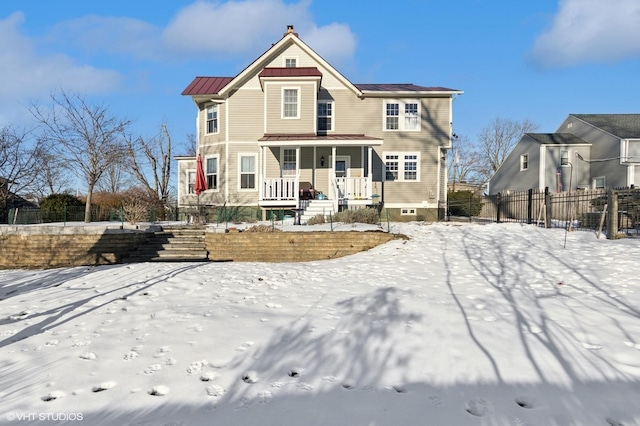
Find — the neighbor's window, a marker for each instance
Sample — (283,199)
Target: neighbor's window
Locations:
(402,115)
(212,172)
(631,151)
(599,182)
(191,182)
(392,115)
(247,172)
(411,116)
(288,162)
(564,158)
(290,104)
(212,119)
(406,212)
(325,116)
(402,166)
(524,162)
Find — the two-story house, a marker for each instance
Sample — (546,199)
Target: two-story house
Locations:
(587,151)
(290,131)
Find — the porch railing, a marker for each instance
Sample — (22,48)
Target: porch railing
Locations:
(353,188)
(280,189)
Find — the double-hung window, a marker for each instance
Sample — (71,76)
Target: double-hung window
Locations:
(290,62)
(288,162)
(212,119)
(524,162)
(248,171)
(191,182)
(212,172)
(290,103)
(402,166)
(402,115)
(325,116)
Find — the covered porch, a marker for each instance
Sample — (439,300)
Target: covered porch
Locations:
(294,170)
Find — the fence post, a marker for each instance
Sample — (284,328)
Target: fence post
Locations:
(548,207)
(612,220)
(529,206)
(498,207)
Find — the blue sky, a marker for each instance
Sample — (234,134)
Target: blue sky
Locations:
(539,60)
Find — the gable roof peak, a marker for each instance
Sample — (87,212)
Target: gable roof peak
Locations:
(290,31)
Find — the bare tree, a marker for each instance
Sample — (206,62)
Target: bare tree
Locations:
(18,164)
(150,162)
(192,145)
(497,140)
(463,161)
(85,136)
(52,174)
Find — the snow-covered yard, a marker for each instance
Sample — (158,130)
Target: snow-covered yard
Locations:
(460,325)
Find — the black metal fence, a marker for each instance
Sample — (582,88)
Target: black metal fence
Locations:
(614,212)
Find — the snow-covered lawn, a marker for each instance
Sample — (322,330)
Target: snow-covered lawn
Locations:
(460,325)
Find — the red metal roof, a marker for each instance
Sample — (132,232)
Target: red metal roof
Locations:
(206,85)
(291,72)
(271,137)
(407,87)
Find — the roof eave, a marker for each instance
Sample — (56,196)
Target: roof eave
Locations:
(398,93)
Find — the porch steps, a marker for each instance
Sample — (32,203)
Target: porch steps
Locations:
(316,207)
(173,244)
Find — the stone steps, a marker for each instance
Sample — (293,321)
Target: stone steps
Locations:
(173,244)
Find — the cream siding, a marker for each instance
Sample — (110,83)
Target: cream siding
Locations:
(246,115)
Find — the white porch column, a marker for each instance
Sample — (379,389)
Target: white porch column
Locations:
(369,171)
(332,178)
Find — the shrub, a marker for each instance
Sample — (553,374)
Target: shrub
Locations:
(365,215)
(262,228)
(59,207)
(464,203)
(316,220)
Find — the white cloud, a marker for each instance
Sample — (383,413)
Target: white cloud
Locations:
(112,35)
(27,73)
(251,26)
(590,31)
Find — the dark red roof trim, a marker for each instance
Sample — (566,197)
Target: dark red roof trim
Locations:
(206,85)
(291,72)
(270,137)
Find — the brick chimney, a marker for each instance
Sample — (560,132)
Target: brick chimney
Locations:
(290,31)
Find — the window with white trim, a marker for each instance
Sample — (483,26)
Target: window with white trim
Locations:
(211,172)
(191,182)
(325,116)
(599,182)
(290,103)
(524,162)
(631,151)
(248,171)
(288,162)
(402,166)
(402,115)
(564,157)
(290,62)
(212,119)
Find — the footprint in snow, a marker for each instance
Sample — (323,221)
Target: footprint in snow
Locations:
(158,391)
(103,387)
(250,377)
(436,401)
(153,368)
(215,391)
(526,402)
(51,396)
(478,407)
(88,356)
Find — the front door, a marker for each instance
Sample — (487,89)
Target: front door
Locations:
(342,167)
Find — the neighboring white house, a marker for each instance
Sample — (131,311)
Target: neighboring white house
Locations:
(290,131)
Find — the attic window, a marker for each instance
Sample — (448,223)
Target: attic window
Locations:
(290,62)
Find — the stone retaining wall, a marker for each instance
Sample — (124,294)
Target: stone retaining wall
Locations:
(53,247)
(291,246)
